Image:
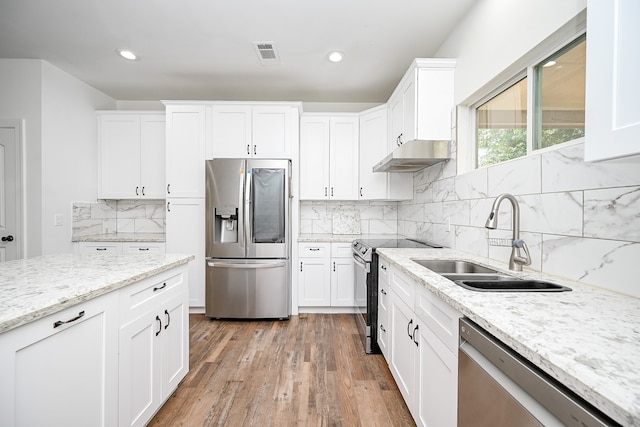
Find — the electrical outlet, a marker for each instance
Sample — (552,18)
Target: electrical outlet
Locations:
(448,224)
(57,220)
(500,242)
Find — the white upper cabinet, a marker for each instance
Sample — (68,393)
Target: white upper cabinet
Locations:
(258,131)
(373,147)
(612,116)
(132,153)
(329,157)
(420,106)
(186,128)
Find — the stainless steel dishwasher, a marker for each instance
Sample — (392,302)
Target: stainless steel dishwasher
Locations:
(497,387)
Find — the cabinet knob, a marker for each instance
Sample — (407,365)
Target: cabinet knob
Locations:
(168,207)
(255,151)
(8,238)
(137,191)
(168,188)
(383,292)
(143,191)
(409,329)
(248,150)
(360,191)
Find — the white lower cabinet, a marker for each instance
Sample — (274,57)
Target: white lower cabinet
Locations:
(153,346)
(422,354)
(112,360)
(325,275)
(62,370)
(383,308)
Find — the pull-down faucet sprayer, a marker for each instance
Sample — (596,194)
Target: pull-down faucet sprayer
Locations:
(516,260)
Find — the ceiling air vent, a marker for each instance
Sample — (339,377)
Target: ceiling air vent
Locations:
(266,52)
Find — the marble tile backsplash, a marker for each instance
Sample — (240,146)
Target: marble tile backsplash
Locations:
(118,216)
(580,220)
(374,217)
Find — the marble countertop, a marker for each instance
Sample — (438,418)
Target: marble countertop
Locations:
(36,287)
(121,237)
(588,339)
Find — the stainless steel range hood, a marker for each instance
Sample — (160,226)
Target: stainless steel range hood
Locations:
(413,156)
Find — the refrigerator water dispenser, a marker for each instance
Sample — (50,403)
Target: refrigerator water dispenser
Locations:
(227,225)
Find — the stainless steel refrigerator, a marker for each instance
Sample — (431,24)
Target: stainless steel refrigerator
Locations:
(248,243)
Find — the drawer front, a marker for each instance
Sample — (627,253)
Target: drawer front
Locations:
(383,270)
(100,247)
(144,295)
(341,250)
(439,317)
(143,248)
(314,250)
(403,286)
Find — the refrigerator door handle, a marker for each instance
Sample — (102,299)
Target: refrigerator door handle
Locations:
(248,210)
(222,264)
(241,206)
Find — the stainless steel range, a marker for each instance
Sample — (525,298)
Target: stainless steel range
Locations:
(366,283)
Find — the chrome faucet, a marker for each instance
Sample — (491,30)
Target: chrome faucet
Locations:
(516,260)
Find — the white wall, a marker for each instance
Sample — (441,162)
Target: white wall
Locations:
(496,33)
(69,151)
(20,88)
(60,160)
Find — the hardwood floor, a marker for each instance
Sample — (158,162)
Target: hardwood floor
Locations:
(308,371)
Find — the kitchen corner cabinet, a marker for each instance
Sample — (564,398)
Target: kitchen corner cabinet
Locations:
(373,147)
(153,355)
(420,106)
(612,115)
(131,147)
(257,131)
(329,157)
(185,150)
(423,342)
(325,275)
(64,362)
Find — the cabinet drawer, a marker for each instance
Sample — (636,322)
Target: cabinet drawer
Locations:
(140,297)
(314,250)
(383,270)
(403,286)
(440,317)
(341,250)
(143,248)
(99,247)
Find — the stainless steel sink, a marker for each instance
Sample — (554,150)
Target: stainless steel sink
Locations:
(511,285)
(477,277)
(453,266)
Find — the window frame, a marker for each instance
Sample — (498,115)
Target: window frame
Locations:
(524,68)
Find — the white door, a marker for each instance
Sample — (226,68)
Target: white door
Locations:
(10,190)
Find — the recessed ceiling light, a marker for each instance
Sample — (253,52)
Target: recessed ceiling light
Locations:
(127,54)
(550,64)
(336,56)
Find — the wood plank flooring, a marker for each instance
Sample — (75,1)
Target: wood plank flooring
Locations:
(310,370)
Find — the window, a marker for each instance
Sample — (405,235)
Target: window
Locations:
(544,107)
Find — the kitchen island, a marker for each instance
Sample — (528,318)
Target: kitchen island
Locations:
(587,339)
(91,339)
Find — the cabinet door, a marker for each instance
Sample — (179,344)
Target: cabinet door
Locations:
(153,132)
(185,234)
(232,131)
(139,375)
(185,152)
(342,282)
(408,111)
(344,132)
(62,375)
(314,280)
(395,122)
(99,248)
(175,343)
(119,165)
(373,147)
(403,348)
(383,318)
(143,247)
(314,158)
(612,122)
(271,131)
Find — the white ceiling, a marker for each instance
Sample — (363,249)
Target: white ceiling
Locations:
(203,49)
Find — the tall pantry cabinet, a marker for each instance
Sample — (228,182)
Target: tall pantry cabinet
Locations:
(185,216)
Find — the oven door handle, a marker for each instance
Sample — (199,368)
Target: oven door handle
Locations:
(363,265)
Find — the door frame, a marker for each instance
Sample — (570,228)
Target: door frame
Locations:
(20,208)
